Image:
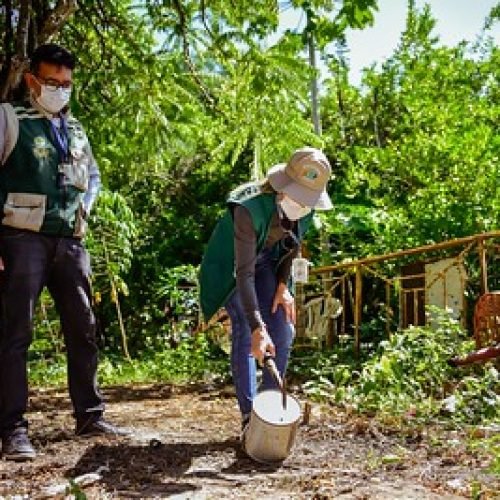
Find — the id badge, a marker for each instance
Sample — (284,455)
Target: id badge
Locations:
(75,174)
(65,168)
(62,178)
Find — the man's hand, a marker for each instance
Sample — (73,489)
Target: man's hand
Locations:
(284,298)
(261,344)
(2,267)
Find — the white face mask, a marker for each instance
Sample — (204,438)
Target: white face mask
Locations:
(53,100)
(292,209)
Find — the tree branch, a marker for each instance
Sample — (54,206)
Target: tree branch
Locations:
(187,56)
(6,57)
(23,29)
(9,32)
(15,60)
(215,38)
(55,19)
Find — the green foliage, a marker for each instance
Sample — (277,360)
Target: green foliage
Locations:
(110,241)
(75,491)
(49,371)
(409,376)
(490,446)
(47,335)
(417,145)
(184,100)
(195,359)
(194,103)
(476,398)
(178,288)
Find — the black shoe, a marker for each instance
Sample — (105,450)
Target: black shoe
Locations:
(245,421)
(17,446)
(96,425)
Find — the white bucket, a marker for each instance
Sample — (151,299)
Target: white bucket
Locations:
(272,429)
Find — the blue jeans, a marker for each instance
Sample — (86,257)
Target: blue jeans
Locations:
(280,330)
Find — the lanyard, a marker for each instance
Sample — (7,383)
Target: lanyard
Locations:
(290,239)
(61,140)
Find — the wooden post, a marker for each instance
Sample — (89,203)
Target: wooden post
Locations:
(483,265)
(388,308)
(300,325)
(358,305)
(403,319)
(415,306)
(344,304)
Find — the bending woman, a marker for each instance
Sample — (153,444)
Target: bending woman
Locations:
(246,266)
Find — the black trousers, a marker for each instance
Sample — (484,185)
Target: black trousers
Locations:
(33,261)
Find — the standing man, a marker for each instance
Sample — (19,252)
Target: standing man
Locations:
(48,183)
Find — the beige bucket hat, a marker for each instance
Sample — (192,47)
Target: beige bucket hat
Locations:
(304,178)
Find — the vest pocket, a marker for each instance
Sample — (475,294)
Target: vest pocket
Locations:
(76,174)
(24,211)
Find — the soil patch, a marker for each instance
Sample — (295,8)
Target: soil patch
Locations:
(184,444)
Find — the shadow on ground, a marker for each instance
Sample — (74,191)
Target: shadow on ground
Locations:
(163,468)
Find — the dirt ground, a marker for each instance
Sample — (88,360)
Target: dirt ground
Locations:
(183,444)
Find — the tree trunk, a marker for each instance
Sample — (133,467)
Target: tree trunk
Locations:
(33,22)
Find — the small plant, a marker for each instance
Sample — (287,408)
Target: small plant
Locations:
(74,491)
(409,376)
(490,446)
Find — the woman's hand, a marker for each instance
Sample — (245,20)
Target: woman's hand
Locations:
(261,344)
(284,298)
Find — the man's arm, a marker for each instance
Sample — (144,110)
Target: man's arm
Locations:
(3,129)
(9,131)
(94,183)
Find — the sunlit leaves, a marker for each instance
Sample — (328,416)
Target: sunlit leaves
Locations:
(420,140)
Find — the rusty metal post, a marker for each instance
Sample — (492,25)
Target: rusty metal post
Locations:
(358,305)
(481,249)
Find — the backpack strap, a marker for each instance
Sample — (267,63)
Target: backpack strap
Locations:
(11,130)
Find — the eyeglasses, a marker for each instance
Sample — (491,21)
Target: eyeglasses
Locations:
(53,85)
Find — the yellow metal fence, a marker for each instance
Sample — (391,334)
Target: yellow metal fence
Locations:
(335,300)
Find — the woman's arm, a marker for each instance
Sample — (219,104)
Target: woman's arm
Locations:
(245,250)
(245,247)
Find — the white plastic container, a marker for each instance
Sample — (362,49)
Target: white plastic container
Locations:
(300,270)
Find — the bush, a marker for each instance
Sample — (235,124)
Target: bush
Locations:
(410,376)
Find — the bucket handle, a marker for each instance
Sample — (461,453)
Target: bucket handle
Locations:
(269,363)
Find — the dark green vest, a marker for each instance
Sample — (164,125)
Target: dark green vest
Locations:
(217,278)
(30,196)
